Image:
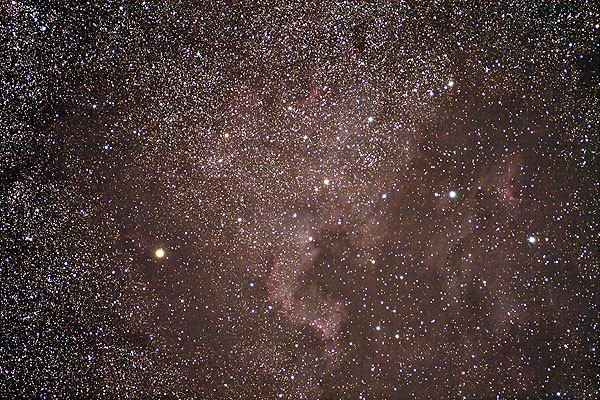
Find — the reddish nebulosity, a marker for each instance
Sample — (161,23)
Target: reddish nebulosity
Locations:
(304,305)
(511,169)
(338,222)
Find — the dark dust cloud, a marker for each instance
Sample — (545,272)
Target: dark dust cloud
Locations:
(299,201)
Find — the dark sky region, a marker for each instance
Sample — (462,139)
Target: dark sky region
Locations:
(320,200)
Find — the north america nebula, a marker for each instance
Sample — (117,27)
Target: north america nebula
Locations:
(299,200)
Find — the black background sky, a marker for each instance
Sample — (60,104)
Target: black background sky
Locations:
(354,201)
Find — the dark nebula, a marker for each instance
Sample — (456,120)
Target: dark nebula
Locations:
(327,200)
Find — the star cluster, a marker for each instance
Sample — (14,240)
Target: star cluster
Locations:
(331,200)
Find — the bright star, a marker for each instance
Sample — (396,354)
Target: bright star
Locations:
(160,253)
(452,194)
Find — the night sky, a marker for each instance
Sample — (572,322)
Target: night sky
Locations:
(299,201)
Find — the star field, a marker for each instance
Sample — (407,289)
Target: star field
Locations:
(331,200)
